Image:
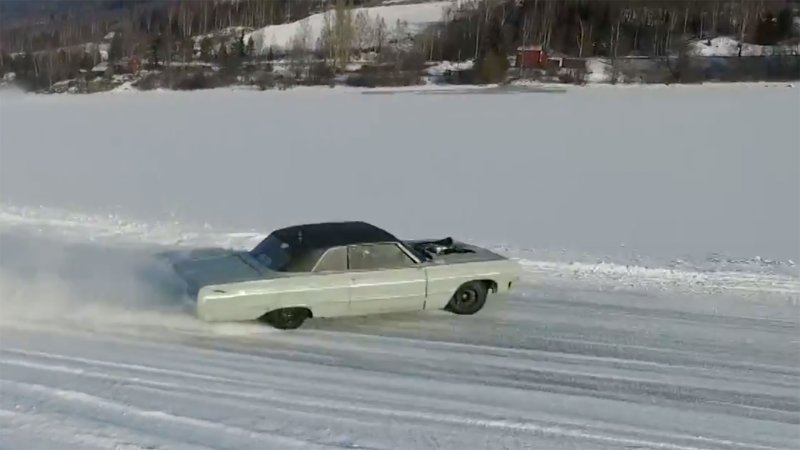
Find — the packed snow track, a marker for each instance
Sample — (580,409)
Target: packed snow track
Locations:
(549,367)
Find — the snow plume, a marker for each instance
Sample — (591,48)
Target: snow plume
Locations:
(43,280)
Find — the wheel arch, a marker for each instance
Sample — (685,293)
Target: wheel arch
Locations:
(491,285)
(288,318)
(279,307)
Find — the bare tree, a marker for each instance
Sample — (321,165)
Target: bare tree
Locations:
(299,48)
(400,32)
(342,33)
(362,30)
(379,32)
(745,16)
(581,37)
(325,41)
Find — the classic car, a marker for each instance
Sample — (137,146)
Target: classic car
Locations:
(334,269)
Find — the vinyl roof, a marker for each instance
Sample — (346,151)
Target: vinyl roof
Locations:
(332,234)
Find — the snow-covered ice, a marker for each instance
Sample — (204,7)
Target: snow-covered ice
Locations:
(623,175)
(657,229)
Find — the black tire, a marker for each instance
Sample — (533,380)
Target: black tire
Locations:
(286,318)
(468,299)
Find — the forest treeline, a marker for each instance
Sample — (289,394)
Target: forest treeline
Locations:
(624,27)
(46,42)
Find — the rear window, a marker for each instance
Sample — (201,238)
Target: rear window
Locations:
(334,259)
(275,254)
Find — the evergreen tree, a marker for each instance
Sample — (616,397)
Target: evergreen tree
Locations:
(86,62)
(155,49)
(187,49)
(251,47)
(5,62)
(205,49)
(115,51)
(239,47)
(785,23)
(222,55)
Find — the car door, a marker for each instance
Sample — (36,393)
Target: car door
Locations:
(384,278)
(328,286)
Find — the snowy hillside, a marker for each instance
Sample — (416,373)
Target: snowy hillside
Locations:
(727,46)
(411,18)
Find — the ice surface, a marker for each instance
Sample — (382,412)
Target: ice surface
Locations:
(619,175)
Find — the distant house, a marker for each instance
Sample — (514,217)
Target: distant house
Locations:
(134,64)
(554,62)
(573,63)
(531,56)
(100,68)
(123,65)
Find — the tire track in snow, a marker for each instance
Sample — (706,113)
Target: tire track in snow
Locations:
(544,430)
(659,380)
(156,417)
(69,431)
(335,408)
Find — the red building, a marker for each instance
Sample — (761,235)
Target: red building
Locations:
(531,56)
(134,64)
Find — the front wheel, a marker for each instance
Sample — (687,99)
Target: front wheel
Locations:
(286,318)
(468,299)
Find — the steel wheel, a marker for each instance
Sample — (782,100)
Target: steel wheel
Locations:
(287,318)
(468,299)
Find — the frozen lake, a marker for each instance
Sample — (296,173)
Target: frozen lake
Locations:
(669,173)
(629,173)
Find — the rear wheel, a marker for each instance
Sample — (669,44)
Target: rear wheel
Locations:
(286,318)
(468,299)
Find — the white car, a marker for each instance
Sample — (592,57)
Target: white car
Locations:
(338,269)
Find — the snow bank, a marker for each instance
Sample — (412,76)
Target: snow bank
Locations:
(440,68)
(414,17)
(598,70)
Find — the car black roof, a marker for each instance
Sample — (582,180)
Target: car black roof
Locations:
(332,234)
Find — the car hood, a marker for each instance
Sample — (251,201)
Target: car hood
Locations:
(232,267)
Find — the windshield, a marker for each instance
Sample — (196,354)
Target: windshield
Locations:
(418,250)
(273,253)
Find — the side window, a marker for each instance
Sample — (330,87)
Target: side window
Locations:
(378,256)
(334,259)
